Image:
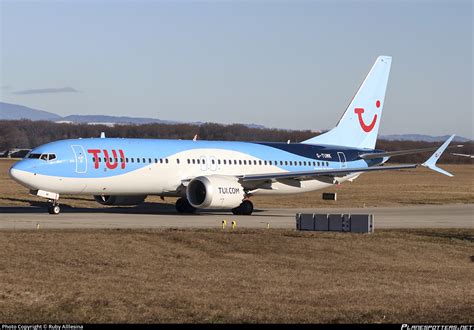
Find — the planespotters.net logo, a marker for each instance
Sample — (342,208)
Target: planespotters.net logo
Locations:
(437,327)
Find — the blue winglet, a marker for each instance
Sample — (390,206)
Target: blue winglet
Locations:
(431,162)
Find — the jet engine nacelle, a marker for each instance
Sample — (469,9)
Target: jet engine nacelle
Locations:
(119,200)
(214,192)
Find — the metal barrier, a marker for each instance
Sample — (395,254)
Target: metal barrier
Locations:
(354,223)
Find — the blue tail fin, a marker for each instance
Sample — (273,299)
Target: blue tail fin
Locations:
(359,125)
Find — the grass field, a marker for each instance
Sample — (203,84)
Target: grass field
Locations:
(419,186)
(396,276)
(391,276)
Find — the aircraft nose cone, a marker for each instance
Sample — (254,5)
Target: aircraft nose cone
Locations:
(18,174)
(14,173)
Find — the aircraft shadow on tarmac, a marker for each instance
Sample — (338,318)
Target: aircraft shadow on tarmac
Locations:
(144,208)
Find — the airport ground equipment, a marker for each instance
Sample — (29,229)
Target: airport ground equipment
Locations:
(354,223)
(329,196)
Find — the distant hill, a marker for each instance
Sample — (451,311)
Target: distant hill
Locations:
(114,119)
(420,137)
(10,111)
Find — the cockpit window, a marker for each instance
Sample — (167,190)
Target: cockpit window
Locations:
(45,157)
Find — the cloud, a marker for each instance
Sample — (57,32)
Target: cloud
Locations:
(47,90)
(6,87)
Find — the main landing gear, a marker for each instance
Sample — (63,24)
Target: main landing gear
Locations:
(183,206)
(53,207)
(246,208)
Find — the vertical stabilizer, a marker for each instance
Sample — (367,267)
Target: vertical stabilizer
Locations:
(359,125)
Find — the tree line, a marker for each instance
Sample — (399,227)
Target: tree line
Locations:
(30,134)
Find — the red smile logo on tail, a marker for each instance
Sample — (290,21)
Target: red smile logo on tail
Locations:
(365,127)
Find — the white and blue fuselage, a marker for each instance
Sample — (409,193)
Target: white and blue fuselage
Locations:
(109,166)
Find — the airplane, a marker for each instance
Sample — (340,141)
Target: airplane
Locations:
(463,155)
(217,174)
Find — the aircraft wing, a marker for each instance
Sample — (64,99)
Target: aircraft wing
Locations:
(401,152)
(305,175)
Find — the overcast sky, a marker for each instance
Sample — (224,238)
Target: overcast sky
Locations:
(285,64)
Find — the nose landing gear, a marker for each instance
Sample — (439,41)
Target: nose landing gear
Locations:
(53,207)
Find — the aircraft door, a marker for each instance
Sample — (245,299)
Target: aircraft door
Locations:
(203,163)
(213,163)
(81,159)
(342,159)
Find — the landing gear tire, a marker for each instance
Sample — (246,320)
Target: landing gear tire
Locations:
(246,208)
(183,206)
(54,209)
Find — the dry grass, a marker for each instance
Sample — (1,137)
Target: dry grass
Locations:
(412,276)
(419,186)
